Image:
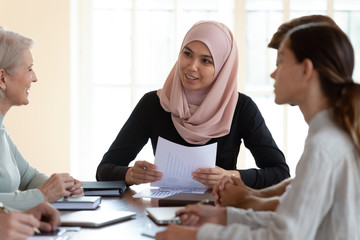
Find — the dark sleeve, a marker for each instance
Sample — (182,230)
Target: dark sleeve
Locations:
(268,157)
(131,139)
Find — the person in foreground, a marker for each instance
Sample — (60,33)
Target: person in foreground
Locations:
(198,105)
(314,71)
(231,191)
(16,77)
(16,225)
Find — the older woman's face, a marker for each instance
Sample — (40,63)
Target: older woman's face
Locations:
(196,66)
(18,84)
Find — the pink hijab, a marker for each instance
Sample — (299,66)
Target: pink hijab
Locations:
(200,115)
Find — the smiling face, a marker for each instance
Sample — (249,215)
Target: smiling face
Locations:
(18,84)
(196,66)
(288,75)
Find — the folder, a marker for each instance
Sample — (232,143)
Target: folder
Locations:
(72,203)
(183,199)
(104,188)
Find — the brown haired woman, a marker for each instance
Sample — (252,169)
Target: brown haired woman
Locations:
(314,71)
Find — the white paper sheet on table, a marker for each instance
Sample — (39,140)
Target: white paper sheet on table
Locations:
(177,162)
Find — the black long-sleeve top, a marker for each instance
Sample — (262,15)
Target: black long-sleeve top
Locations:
(150,120)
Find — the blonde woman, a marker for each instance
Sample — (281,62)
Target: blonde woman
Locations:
(16,78)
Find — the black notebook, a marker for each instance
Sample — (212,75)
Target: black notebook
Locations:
(104,188)
(182,199)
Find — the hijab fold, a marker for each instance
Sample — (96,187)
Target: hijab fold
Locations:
(203,114)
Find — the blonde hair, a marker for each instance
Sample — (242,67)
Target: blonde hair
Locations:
(12,47)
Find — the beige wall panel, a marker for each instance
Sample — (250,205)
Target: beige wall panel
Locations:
(41,130)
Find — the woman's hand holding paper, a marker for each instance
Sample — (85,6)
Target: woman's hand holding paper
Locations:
(142,172)
(211,176)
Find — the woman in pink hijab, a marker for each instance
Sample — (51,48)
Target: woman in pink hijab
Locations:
(199,104)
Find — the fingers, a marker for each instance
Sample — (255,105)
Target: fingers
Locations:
(208,176)
(22,223)
(236,181)
(63,179)
(145,172)
(190,215)
(215,193)
(219,188)
(207,171)
(60,185)
(76,190)
(77,184)
(191,209)
(197,214)
(225,180)
(48,215)
(46,227)
(146,165)
(190,220)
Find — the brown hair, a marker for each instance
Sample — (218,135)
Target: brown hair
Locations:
(285,27)
(332,55)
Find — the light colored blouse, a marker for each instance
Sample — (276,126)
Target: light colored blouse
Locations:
(323,201)
(17,174)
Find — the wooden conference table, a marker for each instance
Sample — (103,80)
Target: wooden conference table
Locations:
(128,229)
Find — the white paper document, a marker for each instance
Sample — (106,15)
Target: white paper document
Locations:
(177,162)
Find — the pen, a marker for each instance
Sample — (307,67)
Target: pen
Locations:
(6,210)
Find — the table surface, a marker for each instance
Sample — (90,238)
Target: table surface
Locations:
(128,229)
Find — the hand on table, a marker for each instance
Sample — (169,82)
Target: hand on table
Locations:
(60,185)
(142,172)
(211,176)
(196,215)
(47,215)
(76,190)
(193,215)
(231,191)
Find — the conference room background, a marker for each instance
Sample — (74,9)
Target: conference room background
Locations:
(96,58)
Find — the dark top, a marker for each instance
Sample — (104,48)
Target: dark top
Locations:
(150,120)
